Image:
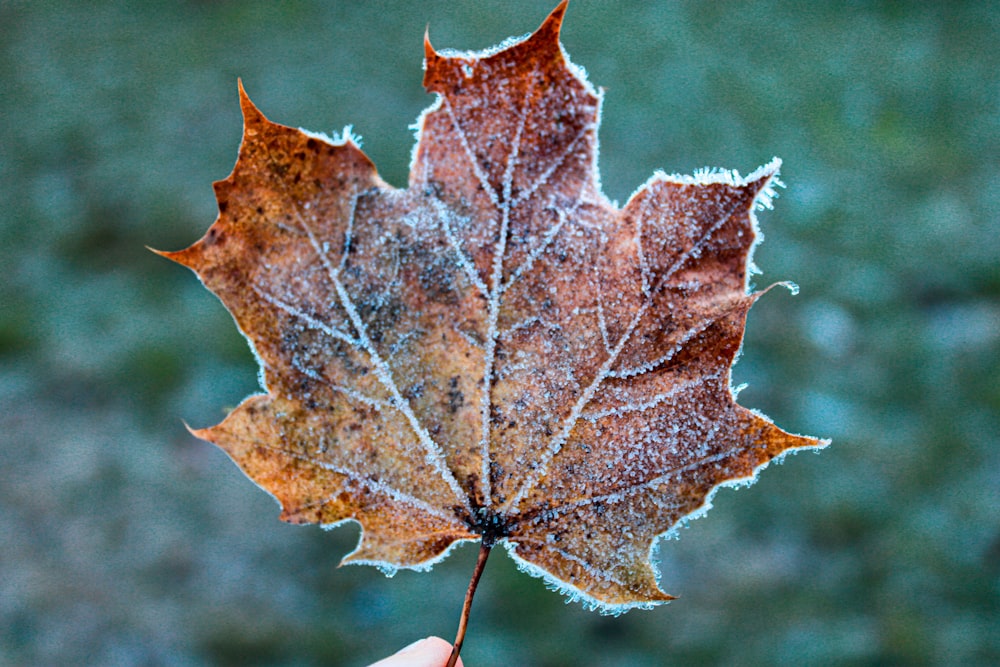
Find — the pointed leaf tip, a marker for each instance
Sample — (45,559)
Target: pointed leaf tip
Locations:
(251,114)
(200,433)
(185,257)
(168,254)
(431,57)
(552,25)
(554,20)
(547,35)
(178,256)
(429,51)
(767,171)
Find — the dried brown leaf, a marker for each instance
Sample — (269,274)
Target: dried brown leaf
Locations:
(495,352)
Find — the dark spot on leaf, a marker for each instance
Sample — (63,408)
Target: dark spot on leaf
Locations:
(456,399)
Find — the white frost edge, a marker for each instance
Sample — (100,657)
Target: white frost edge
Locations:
(483,53)
(711,175)
(580,74)
(390,569)
(418,129)
(570,592)
(347,136)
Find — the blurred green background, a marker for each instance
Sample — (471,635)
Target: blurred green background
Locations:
(123,540)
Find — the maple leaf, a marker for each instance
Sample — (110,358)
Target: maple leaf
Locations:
(496,352)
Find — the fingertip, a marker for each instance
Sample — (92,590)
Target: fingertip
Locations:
(435,651)
(426,652)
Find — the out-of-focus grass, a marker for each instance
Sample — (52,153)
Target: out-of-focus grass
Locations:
(125,541)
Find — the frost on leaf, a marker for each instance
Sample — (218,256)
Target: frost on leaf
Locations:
(495,352)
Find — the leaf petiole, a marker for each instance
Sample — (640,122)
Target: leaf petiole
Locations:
(484,553)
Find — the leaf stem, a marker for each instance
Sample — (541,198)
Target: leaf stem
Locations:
(484,553)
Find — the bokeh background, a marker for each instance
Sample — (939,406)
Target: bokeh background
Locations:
(123,540)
